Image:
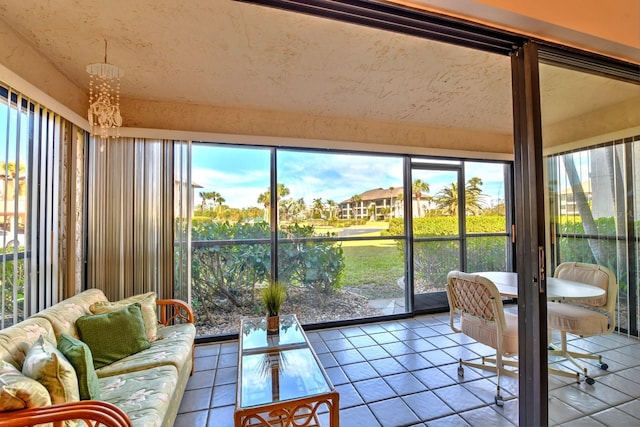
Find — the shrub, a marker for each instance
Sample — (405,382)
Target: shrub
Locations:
(434,259)
(314,264)
(226,270)
(572,248)
(437,226)
(13,272)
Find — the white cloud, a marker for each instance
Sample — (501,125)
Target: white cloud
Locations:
(241,176)
(238,189)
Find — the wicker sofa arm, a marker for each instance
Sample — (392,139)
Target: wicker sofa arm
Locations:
(174,309)
(93,412)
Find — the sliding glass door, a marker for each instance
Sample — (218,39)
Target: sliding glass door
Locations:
(460,221)
(437,231)
(591,140)
(591,129)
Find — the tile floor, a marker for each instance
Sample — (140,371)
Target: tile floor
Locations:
(404,373)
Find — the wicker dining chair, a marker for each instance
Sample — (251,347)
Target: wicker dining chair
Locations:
(584,318)
(478,305)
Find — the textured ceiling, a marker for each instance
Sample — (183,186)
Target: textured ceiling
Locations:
(228,54)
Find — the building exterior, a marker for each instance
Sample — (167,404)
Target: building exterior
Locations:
(374,204)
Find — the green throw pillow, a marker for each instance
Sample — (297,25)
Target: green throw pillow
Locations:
(114,335)
(147,305)
(79,355)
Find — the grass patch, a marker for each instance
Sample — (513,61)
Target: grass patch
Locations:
(373,270)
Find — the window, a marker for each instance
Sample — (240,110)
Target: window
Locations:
(330,225)
(337,249)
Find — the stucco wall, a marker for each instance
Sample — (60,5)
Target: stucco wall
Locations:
(23,60)
(615,118)
(199,118)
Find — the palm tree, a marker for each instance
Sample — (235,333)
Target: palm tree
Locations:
(355,199)
(265,199)
(385,212)
(474,185)
(473,197)
(10,167)
(282,191)
(207,195)
(332,208)
(289,209)
(318,208)
(399,203)
(300,208)
(447,199)
(418,188)
(217,199)
(371,210)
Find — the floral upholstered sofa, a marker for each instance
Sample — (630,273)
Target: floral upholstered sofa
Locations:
(141,389)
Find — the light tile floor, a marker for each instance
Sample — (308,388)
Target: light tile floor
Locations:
(404,373)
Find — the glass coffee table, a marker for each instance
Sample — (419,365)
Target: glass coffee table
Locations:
(280,379)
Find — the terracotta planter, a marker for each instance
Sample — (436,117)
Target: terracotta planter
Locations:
(273,324)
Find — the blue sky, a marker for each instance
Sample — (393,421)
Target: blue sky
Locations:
(10,155)
(240,175)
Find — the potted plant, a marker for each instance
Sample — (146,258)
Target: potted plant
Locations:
(273,296)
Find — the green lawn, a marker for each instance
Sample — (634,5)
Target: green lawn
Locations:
(373,270)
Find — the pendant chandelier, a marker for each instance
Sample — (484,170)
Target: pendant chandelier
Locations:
(104,98)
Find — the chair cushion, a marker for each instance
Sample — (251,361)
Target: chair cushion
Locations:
(586,274)
(486,332)
(576,320)
(114,335)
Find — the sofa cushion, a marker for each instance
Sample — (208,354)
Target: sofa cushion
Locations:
(17,340)
(173,347)
(17,391)
(143,395)
(79,355)
(45,364)
(147,304)
(64,314)
(114,335)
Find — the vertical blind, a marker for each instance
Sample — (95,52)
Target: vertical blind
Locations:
(596,216)
(130,217)
(183,208)
(37,211)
